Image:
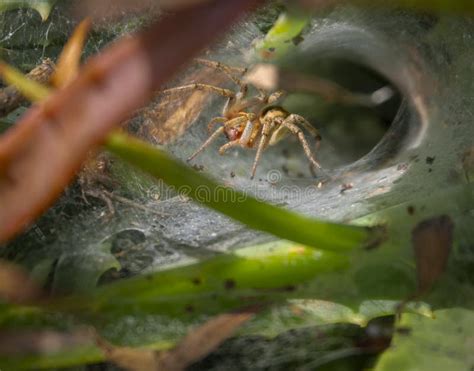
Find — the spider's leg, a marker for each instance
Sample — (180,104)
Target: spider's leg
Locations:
(214,121)
(229,71)
(300,120)
(289,123)
(247,134)
(236,121)
(209,140)
(278,134)
(275,97)
(204,87)
(266,130)
(228,145)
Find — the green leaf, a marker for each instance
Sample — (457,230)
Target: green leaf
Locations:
(43,7)
(443,342)
(283,36)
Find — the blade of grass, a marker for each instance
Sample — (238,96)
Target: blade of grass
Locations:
(32,90)
(239,206)
(264,273)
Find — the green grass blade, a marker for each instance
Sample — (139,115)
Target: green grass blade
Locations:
(239,206)
(260,274)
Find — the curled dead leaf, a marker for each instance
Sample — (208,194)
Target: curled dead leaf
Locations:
(196,345)
(432,243)
(16,286)
(41,342)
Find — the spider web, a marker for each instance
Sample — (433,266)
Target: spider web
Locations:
(156,227)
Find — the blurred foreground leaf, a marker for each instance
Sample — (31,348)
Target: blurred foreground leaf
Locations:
(443,342)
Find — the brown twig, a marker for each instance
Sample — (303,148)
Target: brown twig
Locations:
(41,154)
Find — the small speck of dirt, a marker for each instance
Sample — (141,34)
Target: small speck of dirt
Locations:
(411,210)
(430,160)
(196,281)
(232,174)
(198,167)
(346,186)
(229,284)
(297,39)
(430,170)
(402,167)
(403,330)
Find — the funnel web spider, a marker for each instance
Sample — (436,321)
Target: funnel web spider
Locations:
(250,121)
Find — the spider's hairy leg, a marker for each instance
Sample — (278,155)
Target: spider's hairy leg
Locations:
(228,145)
(289,122)
(300,120)
(279,133)
(197,86)
(239,120)
(276,96)
(229,71)
(214,121)
(268,126)
(209,141)
(247,134)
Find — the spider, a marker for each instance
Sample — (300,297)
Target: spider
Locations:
(250,122)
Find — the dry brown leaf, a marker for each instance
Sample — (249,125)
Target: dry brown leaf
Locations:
(129,358)
(432,243)
(203,340)
(171,116)
(196,345)
(42,342)
(109,9)
(43,152)
(16,286)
